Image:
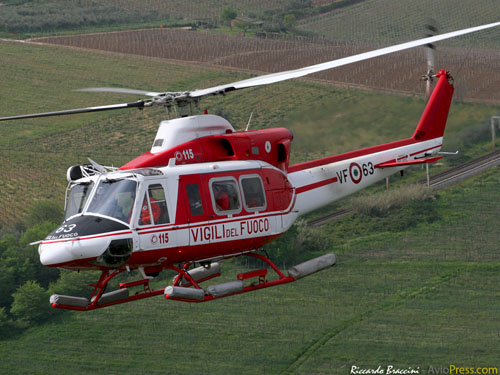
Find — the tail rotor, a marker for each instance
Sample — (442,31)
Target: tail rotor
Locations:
(430,50)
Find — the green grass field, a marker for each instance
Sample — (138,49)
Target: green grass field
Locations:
(424,296)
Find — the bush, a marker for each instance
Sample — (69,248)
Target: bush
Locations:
(31,303)
(297,244)
(74,283)
(381,204)
(394,210)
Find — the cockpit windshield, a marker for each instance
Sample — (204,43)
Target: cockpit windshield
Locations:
(114,198)
(77,197)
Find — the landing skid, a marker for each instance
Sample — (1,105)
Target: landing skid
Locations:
(186,286)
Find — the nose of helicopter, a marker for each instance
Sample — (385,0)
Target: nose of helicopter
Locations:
(55,253)
(79,241)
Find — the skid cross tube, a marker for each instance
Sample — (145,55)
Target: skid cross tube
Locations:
(261,284)
(100,286)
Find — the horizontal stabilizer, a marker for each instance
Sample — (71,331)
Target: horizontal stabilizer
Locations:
(311,266)
(408,162)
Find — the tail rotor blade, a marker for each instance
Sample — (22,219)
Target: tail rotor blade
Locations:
(431,30)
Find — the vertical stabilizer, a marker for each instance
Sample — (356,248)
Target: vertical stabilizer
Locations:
(433,120)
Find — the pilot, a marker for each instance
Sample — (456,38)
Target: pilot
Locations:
(221,198)
(115,209)
(155,208)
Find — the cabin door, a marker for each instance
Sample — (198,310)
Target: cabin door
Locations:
(196,208)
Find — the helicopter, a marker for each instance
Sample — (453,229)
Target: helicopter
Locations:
(205,193)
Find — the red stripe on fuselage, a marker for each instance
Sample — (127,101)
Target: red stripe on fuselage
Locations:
(221,220)
(350,155)
(316,185)
(410,155)
(196,252)
(358,153)
(84,238)
(427,149)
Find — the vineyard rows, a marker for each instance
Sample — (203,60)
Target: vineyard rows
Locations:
(393,21)
(475,69)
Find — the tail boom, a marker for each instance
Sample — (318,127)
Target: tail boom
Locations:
(320,182)
(323,184)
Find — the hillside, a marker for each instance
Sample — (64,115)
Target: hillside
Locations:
(23,18)
(392,21)
(359,21)
(403,295)
(476,68)
(415,287)
(36,153)
(322,30)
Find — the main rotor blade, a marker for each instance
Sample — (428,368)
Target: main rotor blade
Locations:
(181,98)
(137,104)
(121,90)
(290,74)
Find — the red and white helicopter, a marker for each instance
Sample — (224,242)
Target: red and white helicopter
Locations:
(205,192)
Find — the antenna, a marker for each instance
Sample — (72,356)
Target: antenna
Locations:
(249,120)
(98,167)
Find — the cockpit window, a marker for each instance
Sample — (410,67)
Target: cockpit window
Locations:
(114,198)
(77,197)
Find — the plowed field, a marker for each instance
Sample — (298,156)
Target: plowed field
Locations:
(477,71)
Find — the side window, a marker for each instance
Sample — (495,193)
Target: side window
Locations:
(154,206)
(194,199)
(253,193)
(225,196)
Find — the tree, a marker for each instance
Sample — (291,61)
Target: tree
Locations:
(44,211)
(5,323)
(15,268)
(31,303)
(228,14)
(244,25)
(297,244)
(289,21)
